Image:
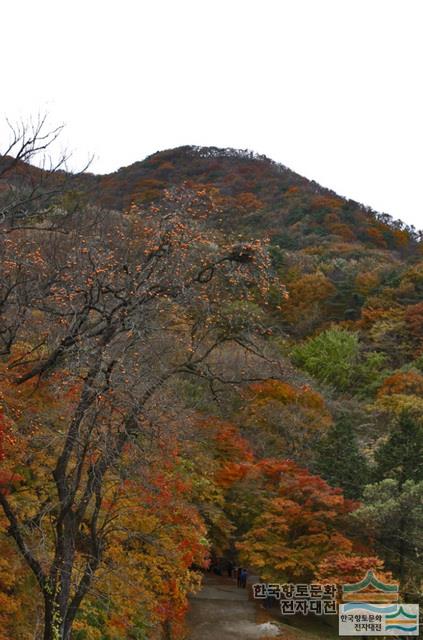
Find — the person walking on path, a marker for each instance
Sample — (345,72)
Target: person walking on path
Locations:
(230,568)
(244,578)
(238,577)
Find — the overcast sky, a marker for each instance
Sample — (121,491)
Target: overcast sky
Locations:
(330,88)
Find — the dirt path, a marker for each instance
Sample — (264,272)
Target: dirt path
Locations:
(221,611)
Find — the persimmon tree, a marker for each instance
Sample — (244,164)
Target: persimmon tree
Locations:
(97,318)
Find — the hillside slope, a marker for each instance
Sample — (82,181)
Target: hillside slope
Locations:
(256,195)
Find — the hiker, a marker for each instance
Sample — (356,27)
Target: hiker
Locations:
(230,568)
(238,577)
(243,578)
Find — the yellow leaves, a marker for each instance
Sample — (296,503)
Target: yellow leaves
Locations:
(397,403)
(90,633)
(148,558)
(7,578)
(17,595)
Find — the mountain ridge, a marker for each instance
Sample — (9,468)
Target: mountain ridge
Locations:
(255,194)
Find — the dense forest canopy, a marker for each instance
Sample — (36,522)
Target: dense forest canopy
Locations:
(202,355)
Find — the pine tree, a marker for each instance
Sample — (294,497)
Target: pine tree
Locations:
(401,456)
(392,510)
(339,460)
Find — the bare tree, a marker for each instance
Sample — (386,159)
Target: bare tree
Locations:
(33,175)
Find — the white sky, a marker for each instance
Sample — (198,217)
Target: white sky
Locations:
(330,88)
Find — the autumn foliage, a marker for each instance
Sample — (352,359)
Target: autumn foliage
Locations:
(180,344)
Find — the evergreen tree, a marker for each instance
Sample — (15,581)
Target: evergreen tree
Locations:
(401,456)
(339,460)
(392,517)
(392,510)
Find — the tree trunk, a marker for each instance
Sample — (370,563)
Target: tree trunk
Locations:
(51,619)
(54,627)
(167,630)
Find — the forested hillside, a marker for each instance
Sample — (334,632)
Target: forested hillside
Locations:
(203,355)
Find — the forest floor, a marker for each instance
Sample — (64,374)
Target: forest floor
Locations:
(222,611)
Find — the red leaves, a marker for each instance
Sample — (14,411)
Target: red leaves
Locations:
(7,480)
(2,429)
(232,451)
(299,526)
(344,568)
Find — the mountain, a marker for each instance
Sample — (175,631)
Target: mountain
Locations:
(229,379)
(256,195)
(340,259)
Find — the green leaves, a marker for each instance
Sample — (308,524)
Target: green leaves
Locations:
(330,357)
(335,358)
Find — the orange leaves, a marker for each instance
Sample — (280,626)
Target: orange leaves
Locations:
(414,319)
(8,480)
(341,568)
(309,295)
(231,444)
(232,451)
(325,203)
(263,392)
(231,472)
(118,624)
(248,201)
(402,382)
(285,419)
(228,442)
(298,527)
(366,282)
(272,389)
(8,439)
(376,236)
(342,230)
(401,238)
